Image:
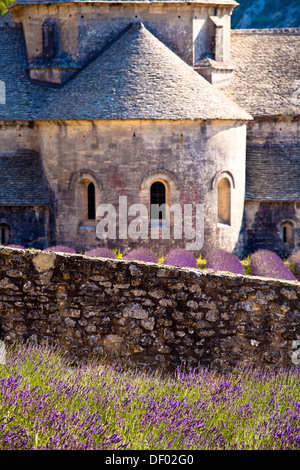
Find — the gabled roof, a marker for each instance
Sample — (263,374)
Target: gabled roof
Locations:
(273,172)
(21,181)
(266,63)
(136,77)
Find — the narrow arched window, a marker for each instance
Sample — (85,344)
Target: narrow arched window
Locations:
(91,200)
(287,232)
(158,200)
(50,40)
(224,201)
(4,234)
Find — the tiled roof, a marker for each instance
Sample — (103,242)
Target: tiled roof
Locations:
(273,172)
(137,77)
(266,71)
(21,181)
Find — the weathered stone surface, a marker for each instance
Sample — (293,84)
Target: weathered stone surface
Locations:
(219,321)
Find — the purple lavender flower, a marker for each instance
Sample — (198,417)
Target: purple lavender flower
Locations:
(220,260)
(266,263)
(294,262)
(182,258)
(60,249)
(101,253)
(141,254)
(45,404)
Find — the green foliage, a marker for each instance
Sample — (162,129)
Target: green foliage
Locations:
(266,14)
(3,6)
(48,404)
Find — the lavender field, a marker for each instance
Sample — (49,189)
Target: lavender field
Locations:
(45,403)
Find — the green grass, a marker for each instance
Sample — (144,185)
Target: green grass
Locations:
(54,405)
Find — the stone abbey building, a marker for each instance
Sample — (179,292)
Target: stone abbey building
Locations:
(158,101)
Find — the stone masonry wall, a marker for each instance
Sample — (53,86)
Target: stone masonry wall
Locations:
(145,314)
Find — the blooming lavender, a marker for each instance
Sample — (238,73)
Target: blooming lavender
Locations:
(61,249)
(294,262)
(220,260)
(47,404)
(101,253)
(141,254)
(182,258)
(265,263)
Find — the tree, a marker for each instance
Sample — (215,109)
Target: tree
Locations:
(3,6)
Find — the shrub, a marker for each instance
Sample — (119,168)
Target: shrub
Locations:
(101,253)
(220,260)
(294,262)
(141,254)
(60,249)
(265,263)
(182,258)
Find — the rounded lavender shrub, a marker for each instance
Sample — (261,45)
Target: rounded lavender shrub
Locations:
(294,262)
(182,258)
(141,254)
(101,253)
(266,263)
(220,260)
(60,249)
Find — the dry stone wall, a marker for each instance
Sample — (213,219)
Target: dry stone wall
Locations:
(147,315)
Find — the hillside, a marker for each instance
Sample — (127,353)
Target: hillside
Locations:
(266,14)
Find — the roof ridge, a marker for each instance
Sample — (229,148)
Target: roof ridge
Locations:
(266,31)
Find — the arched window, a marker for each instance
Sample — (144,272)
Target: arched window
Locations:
(224,201)
(4,234)
(91,201)
(157,199)
(287,232)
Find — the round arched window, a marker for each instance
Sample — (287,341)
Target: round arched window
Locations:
(91,201)
(224,201)
(4,234)
(158,200)
(287,232)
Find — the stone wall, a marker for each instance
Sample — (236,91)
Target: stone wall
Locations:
(146,314)
(84,28)
(124,158)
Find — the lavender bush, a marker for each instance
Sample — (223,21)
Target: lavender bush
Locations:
(265,263)
(294,262)
(182,258)
(101,253)
(60,249)
(46,404)
(142,254)
(220,260)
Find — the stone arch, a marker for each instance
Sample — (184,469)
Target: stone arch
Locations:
(287,231)
(171,184)
(80,194)
(160,175)
(221,174)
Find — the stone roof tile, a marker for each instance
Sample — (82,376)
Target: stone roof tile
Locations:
(21,181)
(137,77)
(267,72)
(268,172)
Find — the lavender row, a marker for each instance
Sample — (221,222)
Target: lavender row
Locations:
(47,404)
(263,263)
